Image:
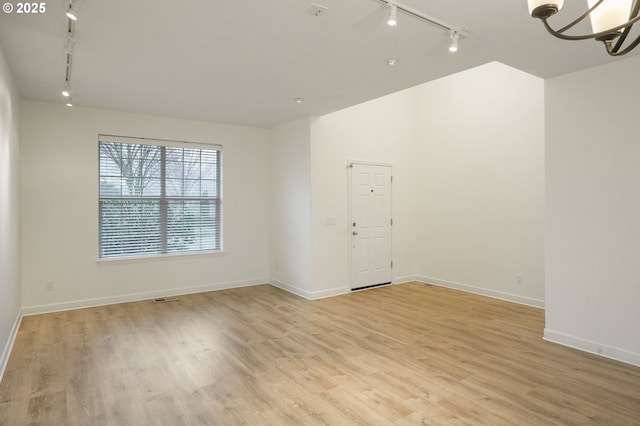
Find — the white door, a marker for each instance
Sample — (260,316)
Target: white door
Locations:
(370,225)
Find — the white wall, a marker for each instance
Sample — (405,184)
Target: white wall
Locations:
(9,211)
(290,207)
(381,131)
(593,210)
(60,210)
(480,182)
(468,195)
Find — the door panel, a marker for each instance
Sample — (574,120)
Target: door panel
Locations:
(370,195)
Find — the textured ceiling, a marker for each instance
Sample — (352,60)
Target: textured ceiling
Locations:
(243,62)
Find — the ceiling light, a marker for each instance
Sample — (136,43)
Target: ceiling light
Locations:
(72,13)
(392,21)
(69,104)
(66,92)
(454,35)
(392,61)
(298,100)
(611,21)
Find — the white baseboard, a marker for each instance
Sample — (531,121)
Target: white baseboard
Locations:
(321,294)
(309,295)
(523,300)
(7,348)
(405,279)
(336,291)
(290,288)
(134,297)
(596,348)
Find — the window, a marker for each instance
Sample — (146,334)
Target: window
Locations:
(158,197)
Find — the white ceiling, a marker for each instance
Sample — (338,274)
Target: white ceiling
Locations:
(243,62)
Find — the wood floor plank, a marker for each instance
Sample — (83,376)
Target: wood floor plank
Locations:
(405,354)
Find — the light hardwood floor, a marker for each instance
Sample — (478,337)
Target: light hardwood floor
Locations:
(404,354)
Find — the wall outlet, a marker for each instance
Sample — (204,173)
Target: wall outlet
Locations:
(49,285)
(519,279)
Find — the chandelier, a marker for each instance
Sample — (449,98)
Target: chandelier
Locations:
(611,22)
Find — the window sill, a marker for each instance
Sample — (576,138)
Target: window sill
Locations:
(158,257)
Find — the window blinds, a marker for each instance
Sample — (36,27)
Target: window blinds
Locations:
(158,197)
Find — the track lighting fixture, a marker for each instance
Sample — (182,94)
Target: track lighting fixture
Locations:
(72,12)
(72,16)
(454,32)
(454,35)
(392,21)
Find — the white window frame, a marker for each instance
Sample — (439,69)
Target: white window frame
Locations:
(217,226)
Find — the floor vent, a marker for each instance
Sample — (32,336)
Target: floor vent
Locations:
(165,299)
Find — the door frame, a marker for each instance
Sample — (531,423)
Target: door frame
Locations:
(350,164)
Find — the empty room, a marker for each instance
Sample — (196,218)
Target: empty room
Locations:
(335,212)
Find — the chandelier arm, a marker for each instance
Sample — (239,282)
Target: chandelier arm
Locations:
(634,12)
(579,18)
(559,34)
(620,40)
(629,48)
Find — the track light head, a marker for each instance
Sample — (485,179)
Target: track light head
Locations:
(66,92)
(392,21)
(69,45)
(72,12)
(454,35)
